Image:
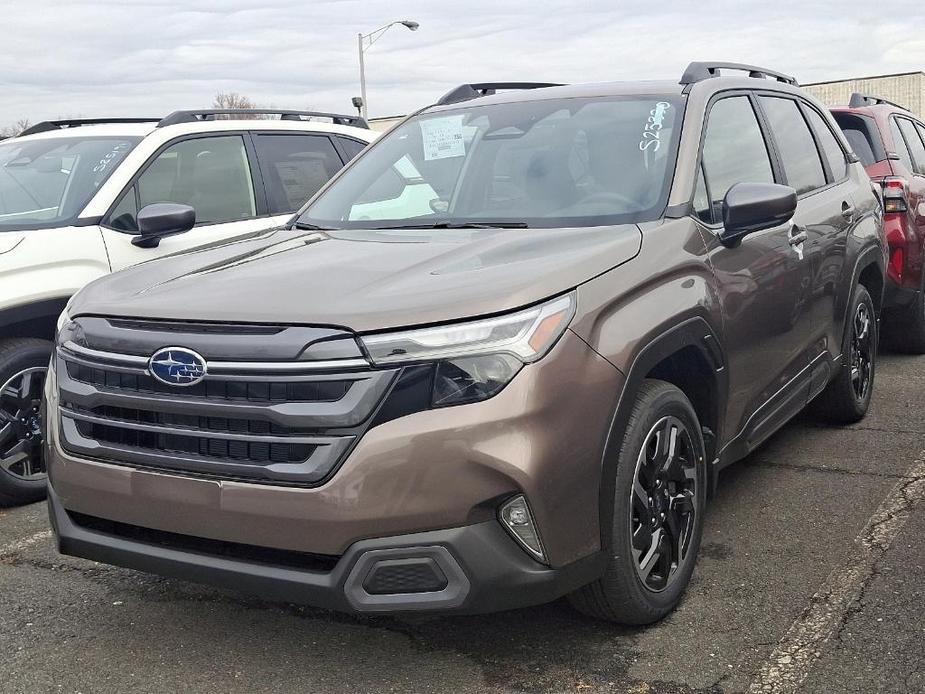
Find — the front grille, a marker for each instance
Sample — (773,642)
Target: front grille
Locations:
(193,422)
(251,420)
(255,391)
(259,452)
(201,545)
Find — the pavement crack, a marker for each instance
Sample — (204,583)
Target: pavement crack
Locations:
(833,470)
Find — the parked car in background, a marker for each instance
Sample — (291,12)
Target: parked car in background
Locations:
(501,358)
(78,197)
(890,142)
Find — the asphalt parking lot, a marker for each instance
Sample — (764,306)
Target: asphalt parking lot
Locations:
(811,579)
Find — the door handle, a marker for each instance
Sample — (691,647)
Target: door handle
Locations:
(847,211)
(797,235)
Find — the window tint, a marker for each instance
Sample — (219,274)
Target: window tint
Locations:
(899,145)
(210,174)
(799,157)
(915,144)
(833,152)
(124,215)
(733,150)
(860,133)
(294,167)
(351,147)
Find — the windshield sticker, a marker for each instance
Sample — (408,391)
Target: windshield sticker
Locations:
(443,138)
(653,129)
(111,157)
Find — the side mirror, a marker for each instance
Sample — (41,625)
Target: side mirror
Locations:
(160,219)
(751,207)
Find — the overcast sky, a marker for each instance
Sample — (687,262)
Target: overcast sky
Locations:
(122,57)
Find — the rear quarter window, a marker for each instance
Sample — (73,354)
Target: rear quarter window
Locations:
(862,135)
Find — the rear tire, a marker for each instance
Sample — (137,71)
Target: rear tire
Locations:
(23,365)
(847,397)
(660,498)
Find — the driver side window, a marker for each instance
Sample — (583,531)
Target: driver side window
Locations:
(734,151)
(211,174)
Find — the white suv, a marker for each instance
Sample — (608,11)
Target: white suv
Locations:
(82,198)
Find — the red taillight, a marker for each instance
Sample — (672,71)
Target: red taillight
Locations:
(894,194)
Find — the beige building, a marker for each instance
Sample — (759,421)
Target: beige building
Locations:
(906,89)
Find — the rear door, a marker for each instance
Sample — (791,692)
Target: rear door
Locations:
(216,174)
(813,163)
(763,282)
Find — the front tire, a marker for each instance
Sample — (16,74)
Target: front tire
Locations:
(847,397)
(23,366)
(660,497)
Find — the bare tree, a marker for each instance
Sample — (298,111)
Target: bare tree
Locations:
(232,100)
(15,129)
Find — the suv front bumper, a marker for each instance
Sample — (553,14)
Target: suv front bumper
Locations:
(484,570)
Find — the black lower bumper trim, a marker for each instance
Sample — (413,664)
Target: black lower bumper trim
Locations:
(485,570)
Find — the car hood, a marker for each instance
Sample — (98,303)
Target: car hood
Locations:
(362,280)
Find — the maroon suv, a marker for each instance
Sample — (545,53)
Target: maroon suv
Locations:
(890,142)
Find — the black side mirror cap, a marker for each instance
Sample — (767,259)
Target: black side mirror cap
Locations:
(751,207)
(161,219)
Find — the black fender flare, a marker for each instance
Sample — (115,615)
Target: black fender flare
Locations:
(693,332)
(47,309)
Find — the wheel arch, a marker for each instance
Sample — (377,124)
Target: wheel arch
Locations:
(689,356)
(37,319)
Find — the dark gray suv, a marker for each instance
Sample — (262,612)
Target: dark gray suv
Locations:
(500,358)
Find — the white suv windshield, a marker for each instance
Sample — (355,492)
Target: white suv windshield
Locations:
(45,183)
(547,163)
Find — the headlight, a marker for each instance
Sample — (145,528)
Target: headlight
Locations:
(476,359)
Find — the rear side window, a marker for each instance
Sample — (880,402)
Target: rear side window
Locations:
(862,135)
(734,150)
(294,168)
(833,152)
(899,145)
(914,142)
(798,153)
(351,147)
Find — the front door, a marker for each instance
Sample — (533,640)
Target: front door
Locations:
(764,282)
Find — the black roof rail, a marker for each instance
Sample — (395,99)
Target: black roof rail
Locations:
(699,71)
(464,92)
(195,116)
(858,100)
(47,125)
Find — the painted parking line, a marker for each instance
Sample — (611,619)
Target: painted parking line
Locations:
(801,646)
(20,545)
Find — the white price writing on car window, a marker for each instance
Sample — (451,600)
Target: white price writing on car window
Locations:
(443,137)
(653,130)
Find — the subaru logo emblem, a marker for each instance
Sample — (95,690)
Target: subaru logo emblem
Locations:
(177,366)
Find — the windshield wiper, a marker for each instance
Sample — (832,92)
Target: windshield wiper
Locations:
(310,227)
(461,225)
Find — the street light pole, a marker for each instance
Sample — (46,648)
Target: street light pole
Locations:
(370,39)
(362,76)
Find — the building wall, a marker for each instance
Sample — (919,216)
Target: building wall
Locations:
(384,123)
(907,90)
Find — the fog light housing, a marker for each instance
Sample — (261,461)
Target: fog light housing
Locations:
(516,518)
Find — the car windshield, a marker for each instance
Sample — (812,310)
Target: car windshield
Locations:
(47,182)
(544,163)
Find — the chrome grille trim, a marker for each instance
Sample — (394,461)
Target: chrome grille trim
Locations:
(217,367)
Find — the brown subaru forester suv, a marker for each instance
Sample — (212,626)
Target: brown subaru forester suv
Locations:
(499,359)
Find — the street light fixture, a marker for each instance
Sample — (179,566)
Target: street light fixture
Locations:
(364,41)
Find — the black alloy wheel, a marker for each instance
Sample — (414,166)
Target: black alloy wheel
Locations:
(664,503)
(20,425)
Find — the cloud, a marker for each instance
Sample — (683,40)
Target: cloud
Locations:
(122,57)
